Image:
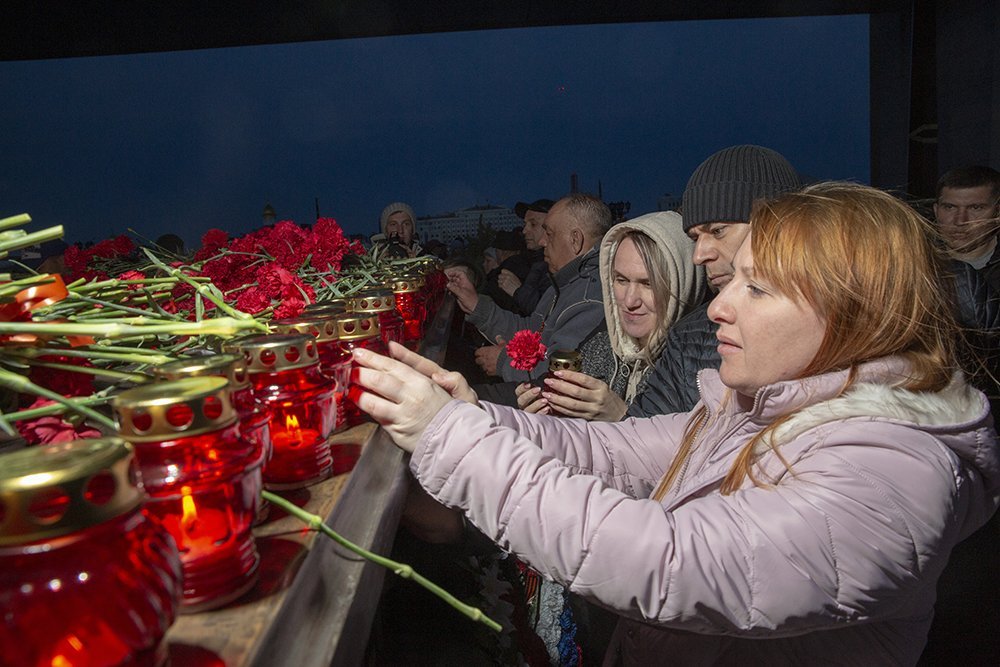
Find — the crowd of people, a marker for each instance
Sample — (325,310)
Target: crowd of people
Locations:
(780,433)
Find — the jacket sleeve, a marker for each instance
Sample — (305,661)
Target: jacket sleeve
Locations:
(852,536)
(537,281)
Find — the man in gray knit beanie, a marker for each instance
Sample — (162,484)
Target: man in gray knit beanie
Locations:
(718,199)
(716,214)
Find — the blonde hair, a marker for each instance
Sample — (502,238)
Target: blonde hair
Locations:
(871,267)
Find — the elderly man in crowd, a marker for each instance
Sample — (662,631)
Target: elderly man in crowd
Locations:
(569,310)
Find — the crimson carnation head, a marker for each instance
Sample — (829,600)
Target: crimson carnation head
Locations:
(525,350)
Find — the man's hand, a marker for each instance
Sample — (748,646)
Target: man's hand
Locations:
(508,282)
(463,289)
(486,357)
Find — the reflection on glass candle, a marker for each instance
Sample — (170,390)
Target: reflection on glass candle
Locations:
(293,436)
(198,532)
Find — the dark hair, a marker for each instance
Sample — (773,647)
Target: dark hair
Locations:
(972,176)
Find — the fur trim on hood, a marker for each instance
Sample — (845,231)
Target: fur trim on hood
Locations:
(958,404)
(687,281)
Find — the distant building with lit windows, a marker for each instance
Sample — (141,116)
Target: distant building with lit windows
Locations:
(465,223)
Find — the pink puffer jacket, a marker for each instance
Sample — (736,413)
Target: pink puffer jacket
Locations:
(836,563)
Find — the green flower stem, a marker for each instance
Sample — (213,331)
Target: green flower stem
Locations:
(109,305)
(15,286)
(26,240)
(403,570)
(138,326)
(200,288)
(56,409)
(90,370)
(115,282)
(21,384)
(15,221)
(134,356)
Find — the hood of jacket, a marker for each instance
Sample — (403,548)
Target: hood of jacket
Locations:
(687,281)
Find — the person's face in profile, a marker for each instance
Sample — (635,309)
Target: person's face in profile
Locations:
(764,336)
(715,245)
(533,228)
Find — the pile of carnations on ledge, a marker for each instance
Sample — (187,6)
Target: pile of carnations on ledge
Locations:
(69,345)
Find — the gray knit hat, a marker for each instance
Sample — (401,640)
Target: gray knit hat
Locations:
(396,207)
(724,186)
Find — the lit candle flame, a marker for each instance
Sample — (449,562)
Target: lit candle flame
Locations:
(292,425)
(190,510)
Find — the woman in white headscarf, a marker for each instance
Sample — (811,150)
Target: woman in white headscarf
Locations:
(649,282)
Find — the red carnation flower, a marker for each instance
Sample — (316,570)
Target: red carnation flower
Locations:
(525,350)
(52,429)
(252,300)
(289,307)
(132,275)
(211,242)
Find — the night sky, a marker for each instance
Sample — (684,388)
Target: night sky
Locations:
(182,142)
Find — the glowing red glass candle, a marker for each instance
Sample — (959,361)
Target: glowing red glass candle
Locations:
(301,403)
(410,304)
(353,331)
(380,302)
(86,578)
(202,478)
(253,418)
(322,327)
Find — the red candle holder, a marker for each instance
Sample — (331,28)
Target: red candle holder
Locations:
(410,304)
(356,331)
(86,578)
(301,402)
(323,328)
(253,418)
(380,302)
(203,481)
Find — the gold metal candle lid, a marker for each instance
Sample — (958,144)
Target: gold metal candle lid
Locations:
(57,489)
(357,326)
(173,409)
(373,300)
(272,353)
(407,284)
(564,360)
(334,304)
(230,366)
(320,325)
